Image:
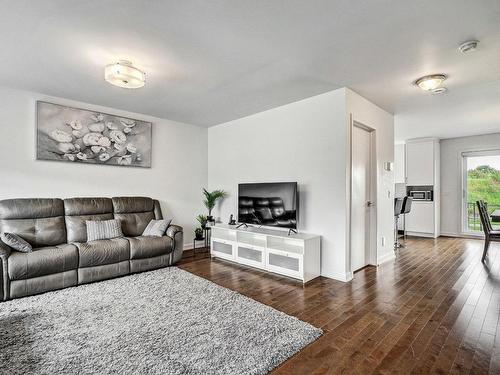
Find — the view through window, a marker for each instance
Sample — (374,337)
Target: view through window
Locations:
(482,183)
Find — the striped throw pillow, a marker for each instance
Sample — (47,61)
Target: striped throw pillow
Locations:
(156,228)
(103,229)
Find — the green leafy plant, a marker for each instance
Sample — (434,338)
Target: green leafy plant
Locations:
(202,219)
(211,198)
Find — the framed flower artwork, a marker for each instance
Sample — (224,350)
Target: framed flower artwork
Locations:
(81,136)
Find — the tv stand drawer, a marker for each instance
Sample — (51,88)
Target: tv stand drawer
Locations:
(223,249)
(250,255)
(285,263)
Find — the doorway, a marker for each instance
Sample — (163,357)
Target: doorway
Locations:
(481,181)
(363,181)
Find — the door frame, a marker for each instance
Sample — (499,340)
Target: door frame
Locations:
(372,251)
(464,230)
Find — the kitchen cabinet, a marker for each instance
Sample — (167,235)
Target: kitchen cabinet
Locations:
(421,219)
(421,162)
(423,169)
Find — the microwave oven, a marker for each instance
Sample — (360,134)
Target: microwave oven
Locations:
(421,195)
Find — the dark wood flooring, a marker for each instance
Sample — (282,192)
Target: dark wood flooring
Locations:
(435,310)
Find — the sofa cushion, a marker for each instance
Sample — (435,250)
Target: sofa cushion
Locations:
(42,261)
(31,208)
(124,205)
(97,253)
(147,247)
(156,228)
(39,221)
(135,213)
(79,210)
(16,242)
(103,229)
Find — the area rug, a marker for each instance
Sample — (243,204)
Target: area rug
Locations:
(167,321)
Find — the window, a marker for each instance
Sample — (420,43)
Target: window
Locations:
(481,182)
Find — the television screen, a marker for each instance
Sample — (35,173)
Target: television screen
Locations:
(272,204)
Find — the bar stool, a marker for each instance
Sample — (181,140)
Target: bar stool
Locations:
(406,210)
(398,208)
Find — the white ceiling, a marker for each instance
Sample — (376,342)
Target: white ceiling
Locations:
(209,62)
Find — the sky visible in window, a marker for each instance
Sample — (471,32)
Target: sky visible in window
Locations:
(475,161)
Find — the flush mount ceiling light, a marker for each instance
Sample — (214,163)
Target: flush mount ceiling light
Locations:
(124,74)
(468,46)
(439,90)
(430,82)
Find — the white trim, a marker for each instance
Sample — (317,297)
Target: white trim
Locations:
(424,139)
(464,155)
(373,251)
(473,236)
(418,234)
(386,258)
(485,152)
(339,276)
(188,246)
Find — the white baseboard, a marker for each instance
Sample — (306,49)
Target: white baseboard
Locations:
(188,246)
(461,235)
(344,277)
(418,234)
(386,258)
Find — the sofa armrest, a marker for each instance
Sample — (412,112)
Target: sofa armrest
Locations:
(176,233)
(4,278)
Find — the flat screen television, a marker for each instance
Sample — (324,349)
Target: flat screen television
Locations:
(273,204)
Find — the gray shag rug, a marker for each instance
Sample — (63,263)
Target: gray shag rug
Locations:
(167,321)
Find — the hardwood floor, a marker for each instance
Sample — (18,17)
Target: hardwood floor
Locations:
(434,310)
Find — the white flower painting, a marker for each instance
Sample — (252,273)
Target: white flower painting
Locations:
(83,136)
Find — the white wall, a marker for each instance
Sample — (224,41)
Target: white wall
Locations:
(451,176)
(177,175)
(368,114)
(304,142)
(307,142)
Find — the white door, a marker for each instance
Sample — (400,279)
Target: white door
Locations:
(360,198)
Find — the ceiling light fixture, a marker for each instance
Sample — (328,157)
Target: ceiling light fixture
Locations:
(439,90)
(430,82)
(468,46)
(124,74)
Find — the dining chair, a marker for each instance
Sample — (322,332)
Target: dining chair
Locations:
(489,233)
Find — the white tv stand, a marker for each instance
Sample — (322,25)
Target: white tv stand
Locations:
(296,255)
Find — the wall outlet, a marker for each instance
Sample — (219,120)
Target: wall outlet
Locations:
(383,241)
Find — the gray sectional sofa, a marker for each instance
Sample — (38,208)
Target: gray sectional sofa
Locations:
(61,255)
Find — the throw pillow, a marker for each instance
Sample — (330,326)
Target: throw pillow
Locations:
(103,229)
(156,228)
(16,242)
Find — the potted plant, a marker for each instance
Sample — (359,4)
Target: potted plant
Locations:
(202,219)
(198,234)
(211,198)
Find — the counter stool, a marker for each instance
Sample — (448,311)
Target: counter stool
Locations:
(398,208)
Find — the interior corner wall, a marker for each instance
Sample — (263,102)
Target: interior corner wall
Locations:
(451,176)
(368,114)
(176,178)
(305,142)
